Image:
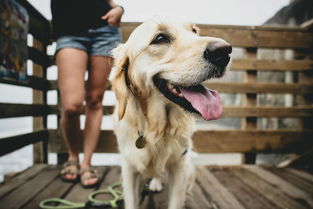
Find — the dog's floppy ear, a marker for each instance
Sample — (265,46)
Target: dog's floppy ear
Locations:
(121,63)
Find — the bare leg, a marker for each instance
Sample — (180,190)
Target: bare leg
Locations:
(98,75)
(72,64)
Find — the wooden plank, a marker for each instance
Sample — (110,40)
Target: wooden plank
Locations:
(249,197)
(158,200)
(236,87)
(55,110)
(38,57)
(113,175)
(269,191)
(301,183)
(281,184)
(221,141)
(228,111)
(260,28)
(305,78)
(53,85)
(127,28)
(301,160)
(300,174)
(305,159)
(260,38)
(109,175)
(8,110)
(32,82)
(303,111)
(265,37)
(12,143)
(57,188)
(22,195)
(196,199)
(80,194)
(307,25)
(212,188)
(250,100)
(40,154)
(107,142)
(9,186)
(272,65)
(216,141)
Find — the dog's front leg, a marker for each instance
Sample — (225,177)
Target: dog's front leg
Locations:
(131,183)
(178,176)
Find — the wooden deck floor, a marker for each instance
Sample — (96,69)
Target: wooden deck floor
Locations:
(248,187)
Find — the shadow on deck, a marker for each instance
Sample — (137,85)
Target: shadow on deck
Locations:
(238,187)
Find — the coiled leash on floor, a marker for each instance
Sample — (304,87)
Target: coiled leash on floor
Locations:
(92,202)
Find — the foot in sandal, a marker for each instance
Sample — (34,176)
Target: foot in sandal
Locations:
(89,177)
(70,171)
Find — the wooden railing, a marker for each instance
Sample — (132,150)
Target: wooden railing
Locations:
(249,139)
(40,30)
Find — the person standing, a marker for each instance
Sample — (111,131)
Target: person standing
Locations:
(86,31)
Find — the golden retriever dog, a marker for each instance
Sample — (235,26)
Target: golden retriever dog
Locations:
(157,82)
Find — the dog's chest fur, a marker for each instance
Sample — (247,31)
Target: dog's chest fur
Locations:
(167,134)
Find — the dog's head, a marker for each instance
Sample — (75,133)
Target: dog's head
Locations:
(169,58)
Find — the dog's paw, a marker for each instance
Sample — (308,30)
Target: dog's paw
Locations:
(155,185)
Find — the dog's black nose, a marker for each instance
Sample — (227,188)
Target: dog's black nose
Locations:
(217,53)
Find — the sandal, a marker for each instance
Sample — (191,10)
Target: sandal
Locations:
(93,174)
(67,169)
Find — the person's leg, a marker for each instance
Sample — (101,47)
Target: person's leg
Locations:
(72,64)
(98,75)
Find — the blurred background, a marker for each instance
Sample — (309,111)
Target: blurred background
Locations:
(225,12)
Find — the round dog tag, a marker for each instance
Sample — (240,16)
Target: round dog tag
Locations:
(140,142)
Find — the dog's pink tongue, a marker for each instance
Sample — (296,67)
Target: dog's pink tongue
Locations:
(207,102)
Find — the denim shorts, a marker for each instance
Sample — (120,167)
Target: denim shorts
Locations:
(96,42)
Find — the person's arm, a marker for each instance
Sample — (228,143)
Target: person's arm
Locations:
(113,4)
(113,17)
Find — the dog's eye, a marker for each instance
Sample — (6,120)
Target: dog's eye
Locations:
(161,38)
(194,31)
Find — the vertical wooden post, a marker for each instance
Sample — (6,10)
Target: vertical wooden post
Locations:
(303,160)
(250,99)
(307,99)
(40,97)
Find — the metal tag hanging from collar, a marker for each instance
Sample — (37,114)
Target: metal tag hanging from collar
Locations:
(141,141)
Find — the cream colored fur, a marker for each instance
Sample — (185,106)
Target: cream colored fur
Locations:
(166,127)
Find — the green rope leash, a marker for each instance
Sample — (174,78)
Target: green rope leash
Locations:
(92,202)
(64,204)
(116,194)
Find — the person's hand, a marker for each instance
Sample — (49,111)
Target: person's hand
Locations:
(113,17)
